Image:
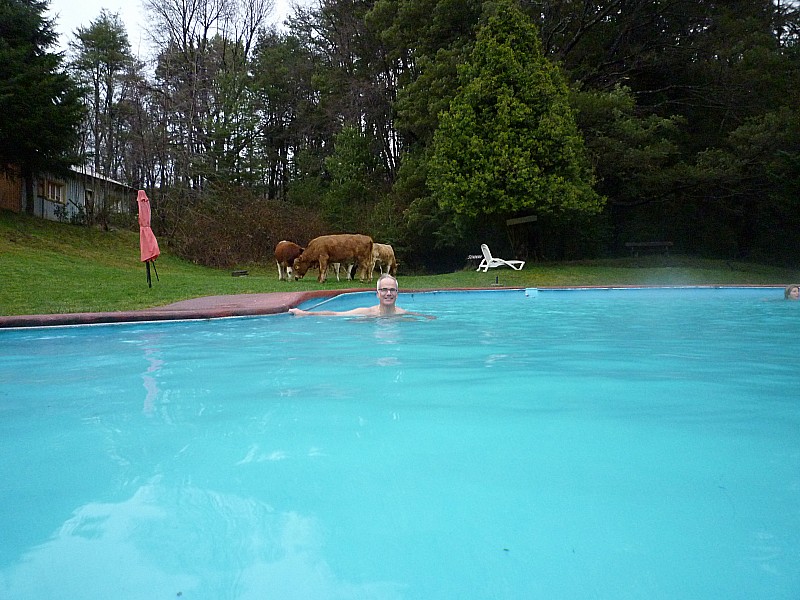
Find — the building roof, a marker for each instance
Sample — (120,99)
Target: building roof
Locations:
(89,172)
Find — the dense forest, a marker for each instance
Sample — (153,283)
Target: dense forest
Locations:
(428,124)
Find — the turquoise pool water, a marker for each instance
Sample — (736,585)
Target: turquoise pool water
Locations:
(611,444)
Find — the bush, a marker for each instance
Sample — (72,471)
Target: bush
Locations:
(229,227)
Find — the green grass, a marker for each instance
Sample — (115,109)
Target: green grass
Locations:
(59,268)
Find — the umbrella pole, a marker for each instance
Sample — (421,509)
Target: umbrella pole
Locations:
(155,270)
(147,266)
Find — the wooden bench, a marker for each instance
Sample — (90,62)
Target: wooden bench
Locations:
(636,246)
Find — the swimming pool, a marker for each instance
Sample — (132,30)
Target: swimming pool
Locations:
(564,444)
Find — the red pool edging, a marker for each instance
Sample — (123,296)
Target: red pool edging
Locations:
(205,307)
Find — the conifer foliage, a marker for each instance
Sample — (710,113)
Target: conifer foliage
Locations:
(40,106)
(509,142)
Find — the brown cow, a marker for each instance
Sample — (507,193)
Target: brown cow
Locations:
(337,268)
(285,253)
(341,248)
(383,254)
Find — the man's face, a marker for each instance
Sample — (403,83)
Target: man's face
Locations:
(387,293)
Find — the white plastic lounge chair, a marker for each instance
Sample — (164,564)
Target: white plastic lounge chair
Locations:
(489,262)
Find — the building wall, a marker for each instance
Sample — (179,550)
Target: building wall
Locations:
(10,192)
(65,199)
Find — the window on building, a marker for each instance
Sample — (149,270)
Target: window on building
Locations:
(52,190)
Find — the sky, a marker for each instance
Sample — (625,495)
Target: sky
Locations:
(71,14)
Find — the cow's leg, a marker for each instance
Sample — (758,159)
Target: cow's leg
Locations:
(323,268)
(364,270)
(283,271)
(336,268)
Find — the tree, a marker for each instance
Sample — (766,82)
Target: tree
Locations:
(40,107)
(202,75)
(355,178)
(716,63)
(637,159)
(747,196)
(509,143)
(426,39)
(291,122)
(101,62)
(102,56)
(355,79)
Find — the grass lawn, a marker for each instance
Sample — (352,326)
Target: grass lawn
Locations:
(51,267)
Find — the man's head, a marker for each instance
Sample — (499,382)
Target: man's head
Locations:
(387,289)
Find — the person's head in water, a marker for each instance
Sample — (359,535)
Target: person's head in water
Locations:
(386,290)
(792,292)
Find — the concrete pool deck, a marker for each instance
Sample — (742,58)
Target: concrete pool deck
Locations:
(206,307)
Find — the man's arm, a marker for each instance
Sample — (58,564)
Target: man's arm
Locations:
(372,311)
(329,313)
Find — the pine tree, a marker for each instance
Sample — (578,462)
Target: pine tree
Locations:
(40,107)
(509,143)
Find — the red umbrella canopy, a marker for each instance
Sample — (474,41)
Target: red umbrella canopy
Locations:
(147,241)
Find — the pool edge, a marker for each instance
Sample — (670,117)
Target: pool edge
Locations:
(268,303)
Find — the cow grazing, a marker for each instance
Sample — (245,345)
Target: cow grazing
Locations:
(383,255)
(285,253)
(342,248)
(337,268)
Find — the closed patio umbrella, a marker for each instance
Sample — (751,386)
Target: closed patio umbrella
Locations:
(147,240)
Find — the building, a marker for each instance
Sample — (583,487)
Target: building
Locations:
(69,198)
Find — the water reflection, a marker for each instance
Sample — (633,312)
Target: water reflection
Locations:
(148,377)
(387,333)
(183,541)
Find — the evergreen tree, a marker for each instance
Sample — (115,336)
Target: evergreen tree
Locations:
(40,107)
(509,143)
(355,175)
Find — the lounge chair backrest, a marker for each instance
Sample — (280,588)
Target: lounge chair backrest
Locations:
(489,262)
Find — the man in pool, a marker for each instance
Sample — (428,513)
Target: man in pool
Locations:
(386,307)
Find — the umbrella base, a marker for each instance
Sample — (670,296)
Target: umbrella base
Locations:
(147,267)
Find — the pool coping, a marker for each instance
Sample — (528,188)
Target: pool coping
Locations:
(241,305)
(204,307)
(200,308)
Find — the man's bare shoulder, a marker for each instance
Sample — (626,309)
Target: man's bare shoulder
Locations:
(376,311)
(365,311)
(333,313)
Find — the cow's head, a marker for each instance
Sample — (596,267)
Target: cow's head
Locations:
(300,267)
